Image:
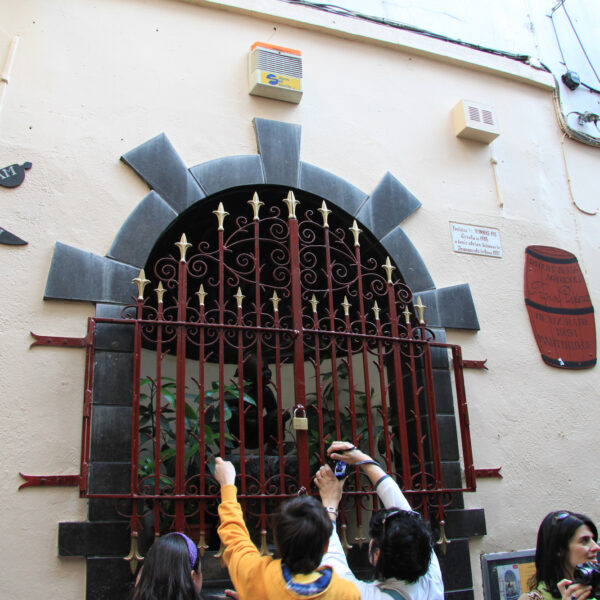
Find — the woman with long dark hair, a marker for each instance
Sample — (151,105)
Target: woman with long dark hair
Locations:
(565,539)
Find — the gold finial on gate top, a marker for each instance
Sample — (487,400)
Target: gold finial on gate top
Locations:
(376,310)
(201,295)
(141,283)
(183,246)
(239,297)
(355,230)
(160,292)
(264,548)
(275,301)
(313,303)
(202,545)
(420,308)
(443,541)
(134,556)
(345,545)
(346,306)
(291,204)
(388,269)
(406,313)
(256,204)
(221,214)
(325,212)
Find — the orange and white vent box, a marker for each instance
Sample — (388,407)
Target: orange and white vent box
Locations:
(275,72)
(475,121)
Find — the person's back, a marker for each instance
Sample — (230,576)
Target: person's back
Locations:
(302,529)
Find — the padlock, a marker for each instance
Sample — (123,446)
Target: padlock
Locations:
(300,423)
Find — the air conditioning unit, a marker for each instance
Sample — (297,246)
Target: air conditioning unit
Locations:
(275,72)
(475,121)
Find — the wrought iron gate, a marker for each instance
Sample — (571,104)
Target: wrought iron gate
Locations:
(272,337)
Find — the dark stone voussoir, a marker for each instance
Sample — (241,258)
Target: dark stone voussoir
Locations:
(108,578)
(389,204)
(111,433)
(98,538)
(465,523)
(332,188)
(143,227)
(450,307)
(456,565)
(113,381)
(160,166)
(279,148)
(232,171)
(86,277)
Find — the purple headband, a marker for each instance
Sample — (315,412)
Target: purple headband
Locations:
(192,548)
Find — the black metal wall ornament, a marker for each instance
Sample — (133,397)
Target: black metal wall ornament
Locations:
(13,175)
(10,239)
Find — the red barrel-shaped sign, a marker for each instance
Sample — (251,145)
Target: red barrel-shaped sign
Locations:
(559,307)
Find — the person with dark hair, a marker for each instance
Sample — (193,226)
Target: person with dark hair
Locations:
(565,539)
(301,530)
(171,571)
(400,544)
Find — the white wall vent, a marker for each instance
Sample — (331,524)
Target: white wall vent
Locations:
(475,121)
(275,72)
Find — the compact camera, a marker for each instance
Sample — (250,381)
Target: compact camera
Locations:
(339,469)
(589,574)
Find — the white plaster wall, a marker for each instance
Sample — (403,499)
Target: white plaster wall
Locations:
(92,80)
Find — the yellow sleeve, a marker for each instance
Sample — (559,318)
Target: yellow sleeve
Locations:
(246,565)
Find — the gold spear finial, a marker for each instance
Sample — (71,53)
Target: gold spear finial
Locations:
(346,306)
(443,541)
(183,246)
(275,301)
(388,269)
(221,214)
(376,310)
(264,548)
(291,203)
(314,302)
(201,295)
(134,556)
(160,292)
(355,230)
(141,283)
(255,203)
(325,212)
(406,313)
(239,297)
(420,308)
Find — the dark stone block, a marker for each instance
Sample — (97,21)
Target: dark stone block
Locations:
(232,171)
(333,189)
(448,437)
(114,337)
(159,165)
(465,523)
(450,307)
(279,148)
(114,311)
(113,378)
(101,509)
(444,397)
(452,475)
(440,357)
(456,566)
(78,275)
(389,204)
(111,433)
(108,579)
(409,261)
(140,231)
(100,538)
(460,595)
(109,477)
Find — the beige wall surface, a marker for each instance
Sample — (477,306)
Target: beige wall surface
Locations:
(92,80)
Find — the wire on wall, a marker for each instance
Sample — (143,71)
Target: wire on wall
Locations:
(583,210)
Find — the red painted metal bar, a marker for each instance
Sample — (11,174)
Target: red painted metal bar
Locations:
(60,342)
(158,414)
(87,410)
(241,405)
(463,419)
(278,398)
(201,422)
(384,401)
(488,473)
(221,350)
(318,388)
(50,480)
(474,364)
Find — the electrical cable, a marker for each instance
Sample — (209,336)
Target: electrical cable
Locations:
(345,12)
(579,40)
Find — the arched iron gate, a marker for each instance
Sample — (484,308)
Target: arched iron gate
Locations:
(350,356)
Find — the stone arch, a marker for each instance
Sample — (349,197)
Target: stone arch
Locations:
(106,280)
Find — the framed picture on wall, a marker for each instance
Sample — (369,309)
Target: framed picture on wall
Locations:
(506,574)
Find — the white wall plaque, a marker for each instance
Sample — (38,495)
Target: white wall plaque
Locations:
(474,239)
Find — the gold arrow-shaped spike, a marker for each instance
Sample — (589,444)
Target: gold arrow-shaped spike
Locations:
(376,310)
(183,246)
(291,203)
(239,297)
(388,269)
(160,292)
(202,545)
(314,303)
(141,283)
(406,313)
(264,548)
(325,212)
(275,300)
(201,295)
(346,306)
(420,308)
(256,204)
(443,541)
(356,231)
(221,214)
(134,556)
(344,539)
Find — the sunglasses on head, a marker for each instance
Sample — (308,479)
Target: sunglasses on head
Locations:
(388,517)
(560,516)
